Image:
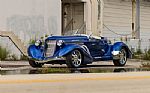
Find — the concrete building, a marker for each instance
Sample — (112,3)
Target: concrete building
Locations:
(115,19)
(29,19)
(126,20)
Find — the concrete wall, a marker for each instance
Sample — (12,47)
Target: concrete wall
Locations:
(30,19)
(145,23)
(92,17)
(118,18)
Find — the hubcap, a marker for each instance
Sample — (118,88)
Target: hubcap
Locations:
(76,58)
(123,57)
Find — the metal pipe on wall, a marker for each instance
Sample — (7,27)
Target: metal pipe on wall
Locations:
(101,16)
(136,19)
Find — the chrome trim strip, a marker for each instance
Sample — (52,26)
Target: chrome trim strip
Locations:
(51,59)
(51,48)
(116,55)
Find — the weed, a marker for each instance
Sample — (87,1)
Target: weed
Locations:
(3,53)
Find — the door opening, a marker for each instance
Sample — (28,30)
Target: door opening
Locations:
(73,18)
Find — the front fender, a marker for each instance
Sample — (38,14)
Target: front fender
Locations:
(70,47)
(35,52)
(119,45)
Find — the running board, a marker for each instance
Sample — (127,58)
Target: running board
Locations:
(15,39)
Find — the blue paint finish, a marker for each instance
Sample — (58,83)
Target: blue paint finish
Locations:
(99,49)
(35,52)
(119,45)
(109,50)
(68,38)
(68,48)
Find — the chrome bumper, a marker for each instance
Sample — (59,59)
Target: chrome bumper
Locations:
(116,55)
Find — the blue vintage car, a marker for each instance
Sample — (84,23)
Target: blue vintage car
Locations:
(77,51)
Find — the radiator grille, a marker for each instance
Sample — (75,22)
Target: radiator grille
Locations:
(51,45)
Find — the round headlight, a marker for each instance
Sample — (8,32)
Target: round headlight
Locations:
(60,42)
(38,42)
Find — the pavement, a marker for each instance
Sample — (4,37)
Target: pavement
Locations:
(132,63)
(23,67)
(132,82)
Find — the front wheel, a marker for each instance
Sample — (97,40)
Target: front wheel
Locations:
(122,58)
(74,59)
(35,64)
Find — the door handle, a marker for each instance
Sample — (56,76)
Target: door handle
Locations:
(93,44)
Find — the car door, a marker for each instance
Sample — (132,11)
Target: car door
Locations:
(96,47)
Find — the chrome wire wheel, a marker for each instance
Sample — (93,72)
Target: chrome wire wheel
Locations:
(122,58)
(74,59)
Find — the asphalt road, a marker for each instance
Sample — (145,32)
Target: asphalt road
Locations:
(133,82)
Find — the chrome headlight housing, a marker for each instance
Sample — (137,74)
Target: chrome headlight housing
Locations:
(60,42)
(38,42)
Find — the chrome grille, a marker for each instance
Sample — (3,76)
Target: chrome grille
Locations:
(51,45)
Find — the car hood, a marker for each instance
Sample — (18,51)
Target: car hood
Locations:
(66,38)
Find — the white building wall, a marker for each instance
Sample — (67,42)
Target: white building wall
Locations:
(118,22)
(118,18)
(145,24)
(30,19)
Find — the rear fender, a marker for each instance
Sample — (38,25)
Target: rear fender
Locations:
(119,45)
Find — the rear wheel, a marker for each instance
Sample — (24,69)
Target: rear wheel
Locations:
(35,64)
(74,59)
(122,58)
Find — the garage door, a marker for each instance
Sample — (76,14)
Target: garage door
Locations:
(145,24)
(117,18)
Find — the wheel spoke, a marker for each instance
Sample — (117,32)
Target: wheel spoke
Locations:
(123,57)
(74,62)
(73,55)
(76,58)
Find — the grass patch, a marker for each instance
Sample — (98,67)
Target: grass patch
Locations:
(146,55)
(24,58)
(50,70)
(32,41)
(142,55)
(4,53)
(138,54)
(147,65)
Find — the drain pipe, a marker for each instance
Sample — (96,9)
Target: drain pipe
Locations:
(101,17)
(91,18)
